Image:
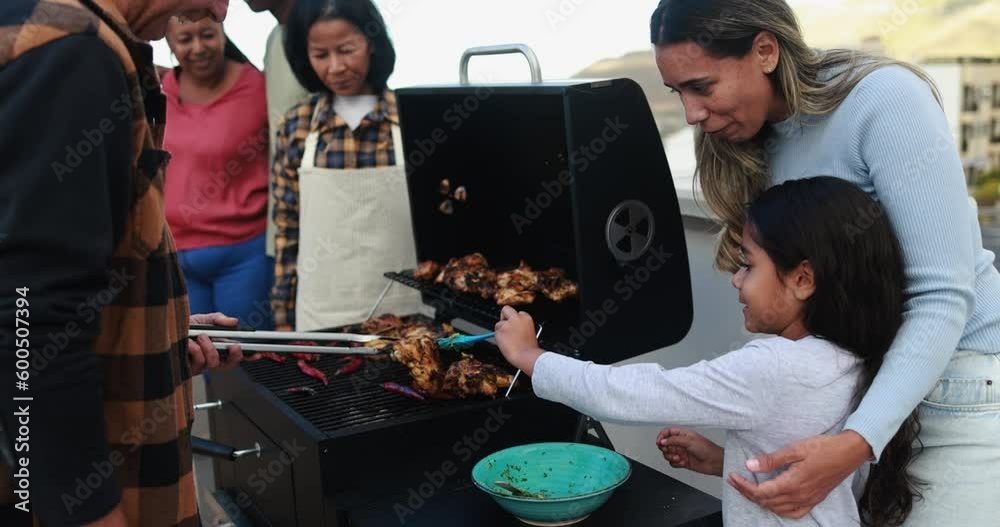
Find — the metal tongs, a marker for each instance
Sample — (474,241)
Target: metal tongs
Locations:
(241,333)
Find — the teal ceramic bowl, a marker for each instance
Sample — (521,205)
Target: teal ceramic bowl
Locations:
(575,479)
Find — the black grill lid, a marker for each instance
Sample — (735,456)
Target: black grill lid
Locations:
(566,174)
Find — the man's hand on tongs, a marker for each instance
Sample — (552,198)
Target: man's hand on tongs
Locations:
(202,354)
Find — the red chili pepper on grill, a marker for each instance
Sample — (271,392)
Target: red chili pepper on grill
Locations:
(307,356)
(312,372)
(351,365)
(273,356)
(405,391)
(302,389)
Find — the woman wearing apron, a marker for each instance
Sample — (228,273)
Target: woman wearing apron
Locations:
(341,210)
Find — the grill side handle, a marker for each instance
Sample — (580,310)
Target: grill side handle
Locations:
(204,447)
(501,49)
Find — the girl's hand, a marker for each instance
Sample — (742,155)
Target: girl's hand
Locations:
(515,334)
(683,448)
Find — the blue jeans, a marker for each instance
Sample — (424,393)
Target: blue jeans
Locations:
(232,279)
(960,431)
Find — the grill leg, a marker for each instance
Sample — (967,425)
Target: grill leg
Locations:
(380,298)
(583,428)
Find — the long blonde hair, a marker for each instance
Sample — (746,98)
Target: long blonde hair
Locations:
(812,82)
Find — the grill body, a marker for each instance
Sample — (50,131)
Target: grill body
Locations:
(354,444)
(570,175)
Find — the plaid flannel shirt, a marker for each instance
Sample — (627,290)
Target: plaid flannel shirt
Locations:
(338,147)
(142,344)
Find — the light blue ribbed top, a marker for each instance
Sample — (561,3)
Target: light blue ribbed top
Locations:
(891,138)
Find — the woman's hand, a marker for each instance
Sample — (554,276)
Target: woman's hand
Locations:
(516,338)
(815,466)
(683,448)
(202,354)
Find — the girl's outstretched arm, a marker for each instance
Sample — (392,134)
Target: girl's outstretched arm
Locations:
(729,392)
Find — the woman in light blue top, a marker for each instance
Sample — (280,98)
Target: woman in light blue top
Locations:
(770,109)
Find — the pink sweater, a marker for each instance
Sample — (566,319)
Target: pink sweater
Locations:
(217,180)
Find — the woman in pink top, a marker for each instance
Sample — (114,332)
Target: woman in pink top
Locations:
(217,180)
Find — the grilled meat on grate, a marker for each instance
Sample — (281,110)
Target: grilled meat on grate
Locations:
(421,356)
(555,285)
(469,274)
(471,378)
(382,324)
(417,349)
(517,286)
(427,270)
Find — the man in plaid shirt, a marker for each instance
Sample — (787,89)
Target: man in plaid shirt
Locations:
(87,246)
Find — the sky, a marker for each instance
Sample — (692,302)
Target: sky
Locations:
(430,35)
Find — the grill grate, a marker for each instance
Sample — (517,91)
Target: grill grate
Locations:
(473,308)
(557,318)
(357,402)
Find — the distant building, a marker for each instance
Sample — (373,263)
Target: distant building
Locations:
(970,89)
(873,45)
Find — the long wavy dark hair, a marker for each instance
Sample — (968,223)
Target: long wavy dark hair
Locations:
(858,302)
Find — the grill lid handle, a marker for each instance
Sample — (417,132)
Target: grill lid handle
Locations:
(501,49)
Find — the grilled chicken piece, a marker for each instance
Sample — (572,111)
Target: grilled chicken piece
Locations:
(418,331)
(471,378)
(469,274)
(517,286)
(465,378)
(427,270)
(382,325)
(421,329)
(554,284)
(420,355)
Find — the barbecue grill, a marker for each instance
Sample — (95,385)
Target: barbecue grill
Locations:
(560,174)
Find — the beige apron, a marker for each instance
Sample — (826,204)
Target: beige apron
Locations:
(354,225)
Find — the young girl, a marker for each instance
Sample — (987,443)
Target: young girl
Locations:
(809,249)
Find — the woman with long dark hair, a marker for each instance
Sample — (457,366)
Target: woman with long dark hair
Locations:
(804,278)
(768,109)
